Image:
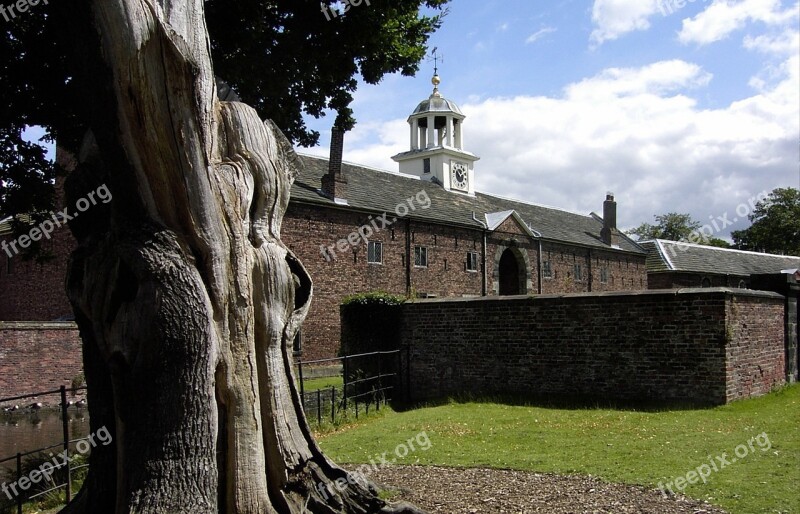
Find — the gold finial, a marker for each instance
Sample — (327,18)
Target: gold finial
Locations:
(436,80)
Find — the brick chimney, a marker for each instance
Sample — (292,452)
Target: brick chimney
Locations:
(334,185)
(610,234)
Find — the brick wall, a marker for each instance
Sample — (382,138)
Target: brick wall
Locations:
(679,279)
(756,357)
(703,346)
(36,292)
(30,291)
(307,229)
(38,357)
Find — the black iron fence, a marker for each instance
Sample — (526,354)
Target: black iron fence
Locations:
(350,385)
(22,495)
(353,385)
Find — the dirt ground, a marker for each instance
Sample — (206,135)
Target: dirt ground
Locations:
(457,491)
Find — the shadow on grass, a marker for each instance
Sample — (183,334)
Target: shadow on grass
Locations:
(561,402)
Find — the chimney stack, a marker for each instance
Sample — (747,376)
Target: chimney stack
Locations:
(334,185)
(609,234)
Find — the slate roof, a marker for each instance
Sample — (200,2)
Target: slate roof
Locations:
(663,255)
(379,191)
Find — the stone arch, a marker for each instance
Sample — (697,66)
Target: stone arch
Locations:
(520,257)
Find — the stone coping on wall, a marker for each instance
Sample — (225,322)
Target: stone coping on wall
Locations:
(606,294)
(38,325)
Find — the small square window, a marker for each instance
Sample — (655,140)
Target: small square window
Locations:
(375,252)
(421,256)
(547,270)
(472,261)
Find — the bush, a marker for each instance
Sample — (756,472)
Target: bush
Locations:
(374,298)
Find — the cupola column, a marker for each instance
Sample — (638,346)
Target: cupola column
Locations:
(415,134)
(431,131)
(449,139)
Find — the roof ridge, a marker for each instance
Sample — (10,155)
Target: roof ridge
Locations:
(663,254)
(357,165)
(707,247)
(560,209)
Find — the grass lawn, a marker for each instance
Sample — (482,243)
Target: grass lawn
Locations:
(322,383)
(619,445)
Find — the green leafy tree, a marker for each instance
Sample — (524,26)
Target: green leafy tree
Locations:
(671,226)
(775,224)
(719,243)
(285,58)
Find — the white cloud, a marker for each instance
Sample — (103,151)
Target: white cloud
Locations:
(539,34)
(786,43)
(634,131)
(658,78)
(722,18)
(613,18)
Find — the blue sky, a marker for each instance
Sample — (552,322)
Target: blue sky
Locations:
(695,110)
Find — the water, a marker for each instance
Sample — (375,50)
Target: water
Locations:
(27,431)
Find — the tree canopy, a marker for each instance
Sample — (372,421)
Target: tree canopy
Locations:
(672,226)
(676,227)
(775,224)
(285,58)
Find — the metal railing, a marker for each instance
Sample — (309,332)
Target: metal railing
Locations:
(64,444)
(368,380)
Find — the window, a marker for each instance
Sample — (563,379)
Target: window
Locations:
(604,275)
(578,273)
(742,284)
(421,256)
(375,252)
(706,282)
(426,166)
(547,270)
(472,261)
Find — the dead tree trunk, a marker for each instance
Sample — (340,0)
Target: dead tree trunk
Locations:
(186,298)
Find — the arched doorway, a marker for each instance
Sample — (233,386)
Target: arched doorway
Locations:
(510,279)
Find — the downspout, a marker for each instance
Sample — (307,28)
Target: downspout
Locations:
(408,256)
(483,257)
(539,272)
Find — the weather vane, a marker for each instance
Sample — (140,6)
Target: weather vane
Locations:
(436,59)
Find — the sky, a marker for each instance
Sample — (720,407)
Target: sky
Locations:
(672,105)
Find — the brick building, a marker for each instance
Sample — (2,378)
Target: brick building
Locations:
(422,231)
(673,265)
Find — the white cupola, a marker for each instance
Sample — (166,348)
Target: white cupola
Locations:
(437,144)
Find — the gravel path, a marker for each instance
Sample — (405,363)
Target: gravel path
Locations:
(457,491)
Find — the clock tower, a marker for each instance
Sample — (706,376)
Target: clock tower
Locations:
(437,152)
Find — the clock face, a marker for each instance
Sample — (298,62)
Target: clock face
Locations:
(459,176)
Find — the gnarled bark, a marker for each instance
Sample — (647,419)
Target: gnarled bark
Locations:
(186,298)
